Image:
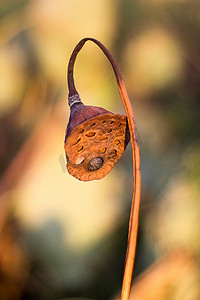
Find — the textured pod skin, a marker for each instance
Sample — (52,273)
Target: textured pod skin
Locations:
(95,140)
(80,113)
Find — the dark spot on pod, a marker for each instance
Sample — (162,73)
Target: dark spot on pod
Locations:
(78,140)
(109,130)
(112,153)
(95,163)
(101,138)
(80,148)
(117,142)
(90,134)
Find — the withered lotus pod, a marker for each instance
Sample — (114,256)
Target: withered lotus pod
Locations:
(95,137)
(95,140)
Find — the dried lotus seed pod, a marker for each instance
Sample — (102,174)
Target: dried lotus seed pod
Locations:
(95,140)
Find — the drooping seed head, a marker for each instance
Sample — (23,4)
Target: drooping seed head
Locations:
(95,145)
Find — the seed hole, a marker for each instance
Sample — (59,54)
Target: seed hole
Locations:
(119,124)
(109,130)
(92,124)
(95,163)
(78,140)
(104,121)
(90,134)
(80,149)
(102,149)
(112,153)
(101,138)
(111,122)
(81,131)
(117,142)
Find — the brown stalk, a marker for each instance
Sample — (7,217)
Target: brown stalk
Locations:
(134,215)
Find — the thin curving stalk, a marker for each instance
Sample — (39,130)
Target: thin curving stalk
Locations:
(89,126)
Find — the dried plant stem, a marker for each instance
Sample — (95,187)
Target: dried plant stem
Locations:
(133,222)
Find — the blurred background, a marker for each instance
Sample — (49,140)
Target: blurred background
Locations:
(61,238)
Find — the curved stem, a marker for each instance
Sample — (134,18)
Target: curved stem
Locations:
(134,215)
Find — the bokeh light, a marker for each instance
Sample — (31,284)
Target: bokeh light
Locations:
(65,239)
